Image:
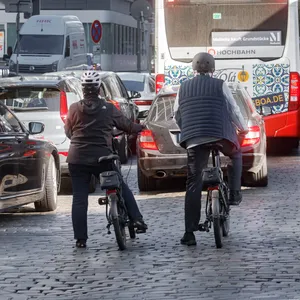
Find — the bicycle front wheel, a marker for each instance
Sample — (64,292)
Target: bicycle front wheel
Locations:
(117,222)
(217,224)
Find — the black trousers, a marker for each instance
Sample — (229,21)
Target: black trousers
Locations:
(197,160)
(81,176)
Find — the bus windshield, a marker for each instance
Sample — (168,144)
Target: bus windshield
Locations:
(228,29)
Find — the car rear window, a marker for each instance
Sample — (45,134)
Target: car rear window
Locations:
(162,108)
(31,98)
(136,86)
(240,101)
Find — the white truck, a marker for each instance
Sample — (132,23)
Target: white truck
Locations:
(50,43)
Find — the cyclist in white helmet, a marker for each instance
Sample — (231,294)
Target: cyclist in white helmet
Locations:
(89,126)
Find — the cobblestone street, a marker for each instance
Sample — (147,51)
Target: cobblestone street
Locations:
(259,260)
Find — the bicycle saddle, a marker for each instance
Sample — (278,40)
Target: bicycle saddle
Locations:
(214,146)
(109,157)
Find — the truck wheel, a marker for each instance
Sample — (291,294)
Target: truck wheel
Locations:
(49,202)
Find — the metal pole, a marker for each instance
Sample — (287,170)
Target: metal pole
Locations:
(139,58)
(18,37)
(149,42)
(36,7)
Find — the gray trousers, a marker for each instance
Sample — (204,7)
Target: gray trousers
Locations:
(198,160)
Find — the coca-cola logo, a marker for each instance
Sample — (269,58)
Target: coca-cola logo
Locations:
(228,75)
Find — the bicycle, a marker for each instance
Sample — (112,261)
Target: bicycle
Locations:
(116,212)
(217,202)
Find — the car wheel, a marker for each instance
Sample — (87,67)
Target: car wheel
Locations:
(260,179)
(145,183)
(49,202)
(93,184)
(123,149)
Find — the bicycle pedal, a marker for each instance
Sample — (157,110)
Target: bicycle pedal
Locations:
(203,227)
(102,201)
(140,231)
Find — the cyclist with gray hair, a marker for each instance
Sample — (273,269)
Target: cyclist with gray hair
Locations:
(206,112)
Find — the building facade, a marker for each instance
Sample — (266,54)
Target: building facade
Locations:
(117,50)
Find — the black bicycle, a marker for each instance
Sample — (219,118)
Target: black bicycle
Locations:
(116,212)
(217,203)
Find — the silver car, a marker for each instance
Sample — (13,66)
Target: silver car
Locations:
(45,99)
(141,86)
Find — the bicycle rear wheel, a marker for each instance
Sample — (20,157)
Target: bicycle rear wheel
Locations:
(131,230)
(217,224)
(117,222)
(225,215)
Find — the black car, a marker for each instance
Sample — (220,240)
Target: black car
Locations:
(114,91)
(160,155)
(29,167)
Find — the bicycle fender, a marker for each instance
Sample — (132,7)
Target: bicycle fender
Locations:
(113,205)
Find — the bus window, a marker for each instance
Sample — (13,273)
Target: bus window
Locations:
(238,26)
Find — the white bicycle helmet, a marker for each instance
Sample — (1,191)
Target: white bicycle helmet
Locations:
(91,78)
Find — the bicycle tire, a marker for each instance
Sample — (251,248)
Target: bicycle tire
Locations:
(218,231)
(119,228)
(226,221)
(131,230)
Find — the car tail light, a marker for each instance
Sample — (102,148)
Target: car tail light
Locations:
(252,137)
(116,104)
(294,91)
(63,106)
(143,102)
(159,82)
(64,153)
(146,140)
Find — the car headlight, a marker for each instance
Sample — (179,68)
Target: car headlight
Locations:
(54,66)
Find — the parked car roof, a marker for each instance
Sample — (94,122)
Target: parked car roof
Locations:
(77,73)
(28,80)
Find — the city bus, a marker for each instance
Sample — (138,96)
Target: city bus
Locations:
(254,42)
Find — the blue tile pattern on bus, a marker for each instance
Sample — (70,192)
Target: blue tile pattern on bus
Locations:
(270,79)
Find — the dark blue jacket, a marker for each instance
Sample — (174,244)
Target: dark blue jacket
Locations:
(203,111)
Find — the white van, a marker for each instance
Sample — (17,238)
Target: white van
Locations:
(50,43)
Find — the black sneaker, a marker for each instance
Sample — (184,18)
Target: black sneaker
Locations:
(141,226)
(235,197)
(81,243)
(188,239)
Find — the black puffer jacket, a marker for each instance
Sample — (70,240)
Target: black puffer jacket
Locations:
(89,125)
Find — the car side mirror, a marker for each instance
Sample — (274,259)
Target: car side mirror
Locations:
(134,94)
(36,127)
